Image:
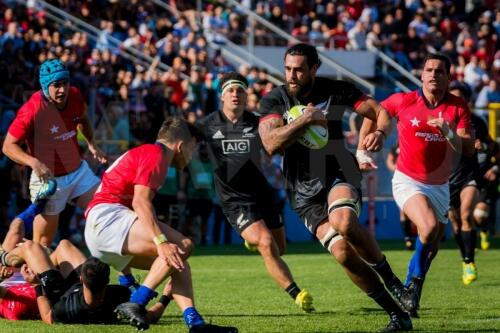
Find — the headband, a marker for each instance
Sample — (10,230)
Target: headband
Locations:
(229,83)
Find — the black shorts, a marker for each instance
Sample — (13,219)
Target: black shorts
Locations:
(456,189)
(315,211)
(489,193)
(243,214)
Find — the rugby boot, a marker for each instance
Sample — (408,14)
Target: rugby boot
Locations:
(469,273)
(411,298)
(304,300)
(485,242)
(398,323)
(46,190)
(134,313)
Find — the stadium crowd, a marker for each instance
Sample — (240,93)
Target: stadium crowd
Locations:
(129,101)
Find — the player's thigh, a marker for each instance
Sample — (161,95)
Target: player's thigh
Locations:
(468,199)
(139,241)
(420,211)
(256,232)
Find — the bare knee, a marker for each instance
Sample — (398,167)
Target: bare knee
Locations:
(347,227)
(264,245)
(342,252)
(428,232)
(65,244)
(187,247)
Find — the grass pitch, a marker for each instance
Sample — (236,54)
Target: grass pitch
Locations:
(233,288)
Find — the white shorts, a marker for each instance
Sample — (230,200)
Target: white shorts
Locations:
(106,229)
(404,187)
(69,186)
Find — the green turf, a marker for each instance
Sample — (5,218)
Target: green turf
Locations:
(232,288)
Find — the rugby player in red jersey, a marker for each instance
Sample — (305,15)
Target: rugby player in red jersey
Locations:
(48,123)
(434,130)
(122,228)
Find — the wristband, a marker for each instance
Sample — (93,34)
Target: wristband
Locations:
(39,290)
(164,300)
(160,239)
(381,131)
(450,135)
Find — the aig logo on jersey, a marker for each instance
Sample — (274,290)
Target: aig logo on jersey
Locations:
(236,146)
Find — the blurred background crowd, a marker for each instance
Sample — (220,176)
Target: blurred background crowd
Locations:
(128,101)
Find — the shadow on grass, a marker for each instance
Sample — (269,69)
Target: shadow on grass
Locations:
(270,315)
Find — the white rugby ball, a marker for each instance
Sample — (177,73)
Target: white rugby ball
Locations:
(315,137)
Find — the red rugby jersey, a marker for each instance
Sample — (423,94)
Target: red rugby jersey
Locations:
(425,154)
(51,134)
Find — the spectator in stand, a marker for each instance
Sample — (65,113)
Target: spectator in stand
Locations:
(474,75)
(338,37)
(490,93)
(316,35)
(357,37)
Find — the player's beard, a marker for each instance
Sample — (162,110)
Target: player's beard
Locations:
(301,89)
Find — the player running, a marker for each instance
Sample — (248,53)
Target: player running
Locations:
(434,127)
(246,197)
(324,185)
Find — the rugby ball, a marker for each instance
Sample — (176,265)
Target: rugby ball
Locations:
(315,136)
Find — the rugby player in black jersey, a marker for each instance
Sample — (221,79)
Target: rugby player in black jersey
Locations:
(466,182)
(77,292)
(245,195)
(324,185)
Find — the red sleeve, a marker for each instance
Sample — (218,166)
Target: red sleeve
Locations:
(464,118)
(152,169)
(392,104)
(361,99)
(22,125)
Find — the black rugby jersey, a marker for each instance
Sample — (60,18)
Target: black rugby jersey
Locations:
(71,307)
(235,153)
(473,166)
(308,171)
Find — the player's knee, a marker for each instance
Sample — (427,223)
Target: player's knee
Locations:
(428,232)
(342,252)
(346,226)
(64,245)
(265,245)
(187,246)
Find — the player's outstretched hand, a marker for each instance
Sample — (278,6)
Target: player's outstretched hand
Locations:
(98,154)
(172,254)
(374,141)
